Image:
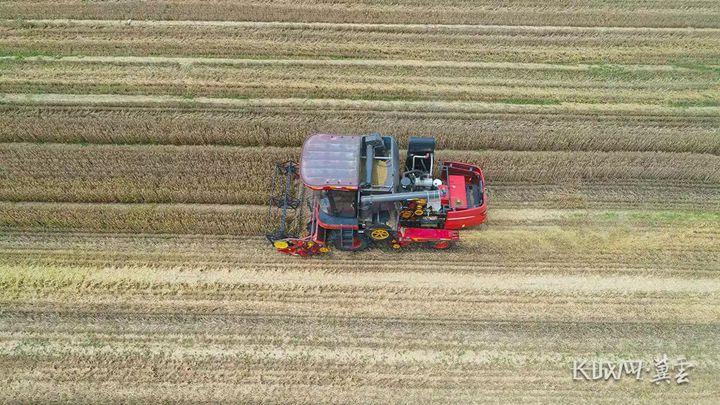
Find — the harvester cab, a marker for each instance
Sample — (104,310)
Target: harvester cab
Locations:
(351,191)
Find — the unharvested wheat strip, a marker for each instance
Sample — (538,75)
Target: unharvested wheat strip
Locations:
(156,218)
(279,126)
(140,173)
(502,218)
(630,13)
(381,357)
(332,104)
(638,195)
(229,175)
(363,41)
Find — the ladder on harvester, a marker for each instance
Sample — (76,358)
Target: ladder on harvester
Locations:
(347,238)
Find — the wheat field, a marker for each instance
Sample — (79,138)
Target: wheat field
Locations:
(136,144)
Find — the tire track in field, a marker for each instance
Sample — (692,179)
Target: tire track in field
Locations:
(344,104)
(206,61)
(589,84)
(405,27)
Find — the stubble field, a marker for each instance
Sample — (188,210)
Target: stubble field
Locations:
(136,143)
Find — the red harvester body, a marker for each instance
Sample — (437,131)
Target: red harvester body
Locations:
(350,191)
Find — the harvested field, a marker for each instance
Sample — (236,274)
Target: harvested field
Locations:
(282,332)
(136,143)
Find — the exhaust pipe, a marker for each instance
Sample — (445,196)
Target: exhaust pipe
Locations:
(369,161)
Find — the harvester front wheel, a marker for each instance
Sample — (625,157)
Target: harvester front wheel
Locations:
(379,233)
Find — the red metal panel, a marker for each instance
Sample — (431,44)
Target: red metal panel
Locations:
(465,218)
(458,192)
(427,234)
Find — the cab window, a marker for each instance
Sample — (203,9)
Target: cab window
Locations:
(338,203)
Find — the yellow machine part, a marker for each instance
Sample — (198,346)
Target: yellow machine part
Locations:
(379,234)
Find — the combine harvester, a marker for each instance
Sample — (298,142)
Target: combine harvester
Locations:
(350,191)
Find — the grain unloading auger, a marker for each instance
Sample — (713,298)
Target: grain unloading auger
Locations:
(350,191)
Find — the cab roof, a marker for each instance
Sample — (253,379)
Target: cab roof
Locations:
(331,161)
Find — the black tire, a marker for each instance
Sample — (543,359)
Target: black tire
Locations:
(386,232)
